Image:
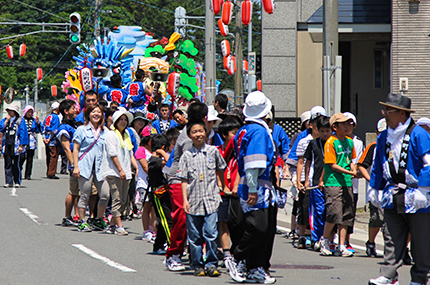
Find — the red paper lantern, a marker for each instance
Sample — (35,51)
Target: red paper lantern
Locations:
(223,28)
(216,6)
(225,48)
(269,6)
(225,62)
(39,73)
(259,84)
(54,90)
(246,12)
(173,84)
(232,66)
(245,66)
(86,79)
(227,12)
(9,51)
(22,49)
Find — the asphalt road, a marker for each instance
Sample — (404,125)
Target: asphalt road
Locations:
(35,249)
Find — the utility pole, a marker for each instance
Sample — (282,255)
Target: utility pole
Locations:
(330,51)
(35,92)
(27,97)
(97,18)
(249,50)
(238,76)
(210,67)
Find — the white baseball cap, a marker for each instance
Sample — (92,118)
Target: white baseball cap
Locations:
(55,105)
(350,116)
(212,114)
(305,116)
(257,105)
(317,111)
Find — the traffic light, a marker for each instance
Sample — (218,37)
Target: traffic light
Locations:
(258,64)
(75,28)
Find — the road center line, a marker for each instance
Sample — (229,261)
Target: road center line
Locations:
(106,260)
(32,216)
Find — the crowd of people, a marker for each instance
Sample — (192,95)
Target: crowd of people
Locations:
(210,178)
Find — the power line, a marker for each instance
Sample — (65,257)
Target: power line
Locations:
(27,18)
(25,4)
(45,15)
(155,7)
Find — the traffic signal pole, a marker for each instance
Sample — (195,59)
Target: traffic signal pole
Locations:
(210,50)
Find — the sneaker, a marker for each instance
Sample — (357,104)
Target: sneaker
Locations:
(68,222)
(6,185)
(174,263)
(53,177)
(325,247)
(371,249)
(110,229)
(333,247)
(236,273)
(17,185)
(121,231)
(256,275)
(317,245)
(308,241)
(147,235)
(99,224)
(349,247)
(301,244)
(159,251)
(382,280)
(292,235)
(212,272)
(153,238)
(344,252)
(199,272)
(84,227)
(75,218)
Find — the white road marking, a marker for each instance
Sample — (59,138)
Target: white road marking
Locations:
(32,216)
(380,252)
(106,260)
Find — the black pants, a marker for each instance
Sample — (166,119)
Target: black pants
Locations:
(28,156)
(64,162)
(255,238)
(163,211)
(396,235)
(271,232)
(12,171)
(235,222)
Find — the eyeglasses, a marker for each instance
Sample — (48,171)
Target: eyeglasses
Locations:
(387,112)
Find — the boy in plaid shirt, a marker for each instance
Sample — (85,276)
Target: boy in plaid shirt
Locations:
(200,190)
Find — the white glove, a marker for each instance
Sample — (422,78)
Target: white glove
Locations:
(421,198)
(373,195)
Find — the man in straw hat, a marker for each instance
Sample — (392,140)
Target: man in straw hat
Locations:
(401,170)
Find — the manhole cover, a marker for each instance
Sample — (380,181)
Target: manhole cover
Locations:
(298,266)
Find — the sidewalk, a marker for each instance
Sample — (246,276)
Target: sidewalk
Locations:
(360,235)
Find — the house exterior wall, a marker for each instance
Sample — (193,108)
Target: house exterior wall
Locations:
(411,52)
(278,59)
(309,74)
